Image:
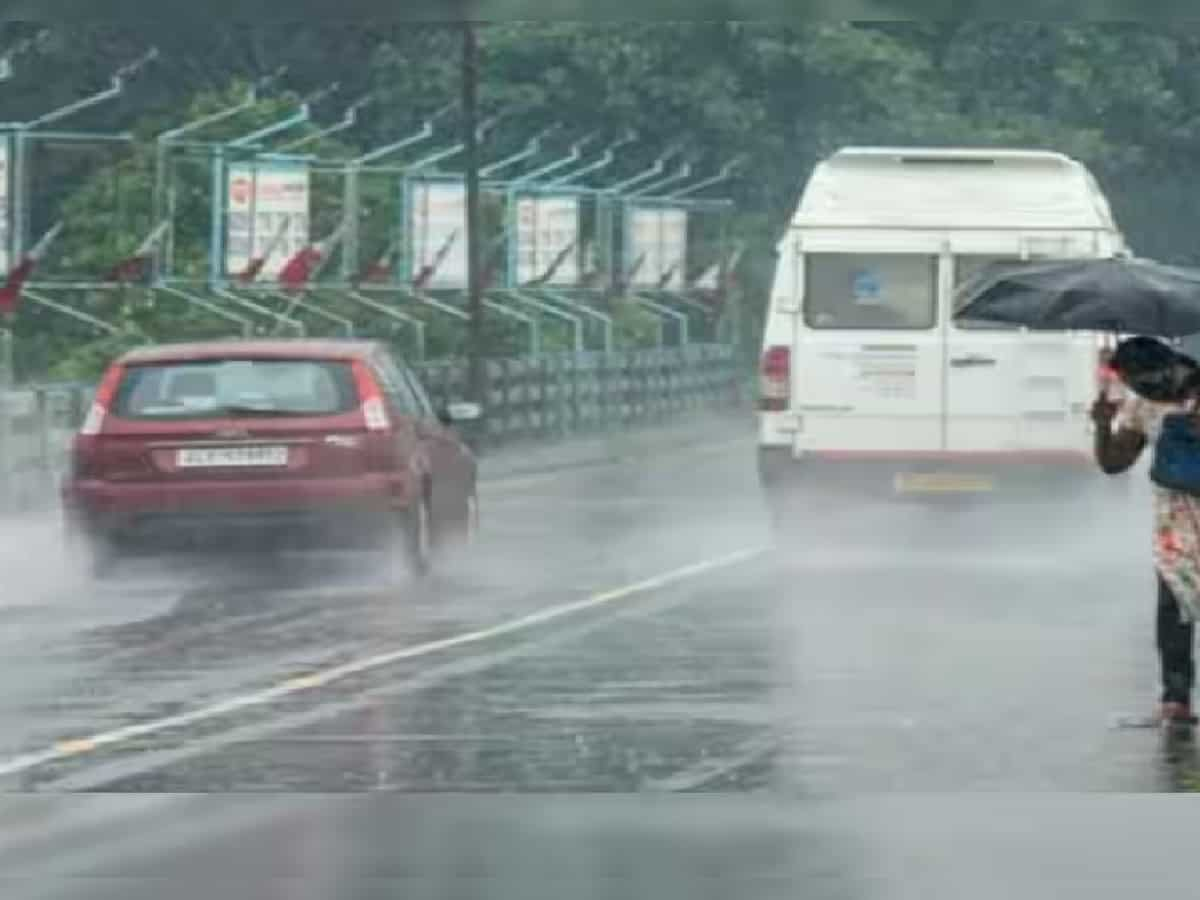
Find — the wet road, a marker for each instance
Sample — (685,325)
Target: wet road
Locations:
(625,628)
(621,628)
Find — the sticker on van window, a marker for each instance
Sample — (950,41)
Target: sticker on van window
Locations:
(866,288)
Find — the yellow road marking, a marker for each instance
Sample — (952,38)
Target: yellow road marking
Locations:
(305,682)
(76,747)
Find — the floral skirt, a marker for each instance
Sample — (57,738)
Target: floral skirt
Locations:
(1177,548)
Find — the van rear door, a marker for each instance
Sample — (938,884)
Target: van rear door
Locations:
(1009,390)
(869,372)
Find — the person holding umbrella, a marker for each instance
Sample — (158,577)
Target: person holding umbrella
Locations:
(1124,294)
(1161,382)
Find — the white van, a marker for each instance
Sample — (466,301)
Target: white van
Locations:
(863,366)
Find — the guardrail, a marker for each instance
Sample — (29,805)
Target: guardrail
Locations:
(528,399)
(36,425)
(561,394)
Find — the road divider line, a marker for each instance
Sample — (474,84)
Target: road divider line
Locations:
(71,748)
(709,770)
(105,775)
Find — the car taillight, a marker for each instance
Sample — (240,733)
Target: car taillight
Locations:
(775,379)
(105,393)
(380,449)
(374,408)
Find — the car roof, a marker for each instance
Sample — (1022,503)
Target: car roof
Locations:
(298,348)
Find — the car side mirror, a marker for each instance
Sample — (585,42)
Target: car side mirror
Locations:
(457,413)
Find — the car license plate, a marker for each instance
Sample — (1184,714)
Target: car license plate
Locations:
(231,457)
(933,483)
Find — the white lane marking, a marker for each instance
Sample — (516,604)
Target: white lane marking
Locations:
(104,775)
(374,738)
(709,770)
(78,746)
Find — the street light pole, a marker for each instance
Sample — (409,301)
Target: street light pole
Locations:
(475,306)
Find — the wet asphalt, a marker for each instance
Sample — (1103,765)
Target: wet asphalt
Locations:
(626,629)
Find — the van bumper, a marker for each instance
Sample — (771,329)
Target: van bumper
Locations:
(788,476)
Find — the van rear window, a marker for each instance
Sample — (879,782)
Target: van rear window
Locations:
(236,387)
(875,291)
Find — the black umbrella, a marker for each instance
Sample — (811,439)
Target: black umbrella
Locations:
(1120,294)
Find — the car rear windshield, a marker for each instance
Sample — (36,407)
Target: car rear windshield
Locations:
(236,387)
(876,291)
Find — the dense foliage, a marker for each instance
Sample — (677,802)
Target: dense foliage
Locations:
(1122,97)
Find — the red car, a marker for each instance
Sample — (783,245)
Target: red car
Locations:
(253,443)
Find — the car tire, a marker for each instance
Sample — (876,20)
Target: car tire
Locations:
(417,537)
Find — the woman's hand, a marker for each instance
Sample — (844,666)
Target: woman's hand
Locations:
(1116,452)
(1104,411)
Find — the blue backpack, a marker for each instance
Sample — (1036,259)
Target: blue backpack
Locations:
(1176,463)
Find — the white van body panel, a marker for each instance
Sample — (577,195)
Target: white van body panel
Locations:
(1011,190)
(886,234)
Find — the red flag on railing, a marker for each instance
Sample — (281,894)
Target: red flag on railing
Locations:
(303,267)
(10,293)
(381,269)
(137,266)
(717,282)
(425,275)
(627,280)
(297,270)
(555,265)
(664,280)
(708,280)
(255,266)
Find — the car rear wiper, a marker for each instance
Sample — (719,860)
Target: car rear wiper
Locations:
(236,409)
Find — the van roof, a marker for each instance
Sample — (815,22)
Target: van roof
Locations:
(948,188)
(953,154)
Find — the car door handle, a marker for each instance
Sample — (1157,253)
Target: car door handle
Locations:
(962,362)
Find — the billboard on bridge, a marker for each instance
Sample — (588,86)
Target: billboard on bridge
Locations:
(656,244)
(263,199)
(437,232)
(548,239)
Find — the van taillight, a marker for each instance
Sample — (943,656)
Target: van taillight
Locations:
(374,407)
(775,379)
(105,393)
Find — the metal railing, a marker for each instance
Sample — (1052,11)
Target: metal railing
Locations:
(528,399)
(556,395)
(36,425)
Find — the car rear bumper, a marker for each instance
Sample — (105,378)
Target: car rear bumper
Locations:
(331,511)
(922,475)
